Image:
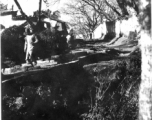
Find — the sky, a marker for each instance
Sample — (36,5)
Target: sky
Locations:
(28,6)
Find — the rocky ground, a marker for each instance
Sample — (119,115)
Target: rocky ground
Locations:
(95,81)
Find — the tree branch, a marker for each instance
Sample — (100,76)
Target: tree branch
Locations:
(113,8)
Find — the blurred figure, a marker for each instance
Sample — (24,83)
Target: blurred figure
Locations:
(60,34)
(71,41)
(30,43)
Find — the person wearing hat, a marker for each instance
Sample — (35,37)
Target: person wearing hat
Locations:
(30,42)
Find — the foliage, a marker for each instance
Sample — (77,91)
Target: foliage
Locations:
(145,17)
(72,92)
(117,99)
(63,94)
(12,41)
(50,42)
(123,4)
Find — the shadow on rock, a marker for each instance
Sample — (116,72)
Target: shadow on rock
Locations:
(63,92)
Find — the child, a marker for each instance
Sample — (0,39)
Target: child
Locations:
(30,43)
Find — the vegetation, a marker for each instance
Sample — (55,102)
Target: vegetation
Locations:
(117,99)
(95,92)
(13,44)
(12,41)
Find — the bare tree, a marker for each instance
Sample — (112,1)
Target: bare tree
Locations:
(108,10)
(113,9)
(123,4)
(102,8)
(79,27)
(82,16)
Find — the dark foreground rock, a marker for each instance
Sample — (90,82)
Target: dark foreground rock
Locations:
(59,93)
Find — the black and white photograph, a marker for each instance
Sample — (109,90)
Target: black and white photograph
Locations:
(76,60)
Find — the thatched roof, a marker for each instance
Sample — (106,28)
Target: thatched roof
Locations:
(7,12)
(21,17)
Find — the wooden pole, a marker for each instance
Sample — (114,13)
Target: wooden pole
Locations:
(26,17)
(40,4)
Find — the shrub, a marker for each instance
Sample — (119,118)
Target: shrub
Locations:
(118,99)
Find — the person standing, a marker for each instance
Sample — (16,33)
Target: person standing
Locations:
(30,44)
(72,43)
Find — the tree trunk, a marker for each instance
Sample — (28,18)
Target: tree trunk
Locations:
(40,4)
(145,94)
(90,36)
(113,8)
